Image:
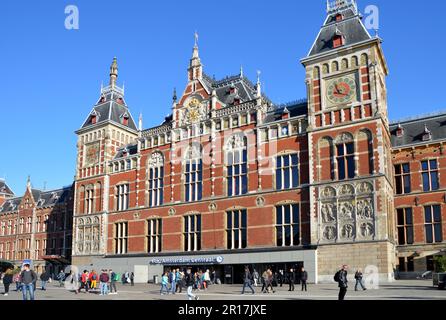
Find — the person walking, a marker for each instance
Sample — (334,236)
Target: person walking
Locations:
(256,277)
(164,283)
(114,277)
(247,281)
(358,277)
(104,279)
(132,279)
(304,279)
(190,281)
(61,278)
(207,278)
(84,281)
(7,280)
(179,278)
(265,280)
(291,279)
(17,280)
(341,278)
(44,277)
(270,281)
(28,278)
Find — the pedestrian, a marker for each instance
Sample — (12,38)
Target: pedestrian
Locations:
(61,278)
(341,278)
(189,280)
(93,280)
(281,278)
(18,283)
(132,279)
(28,278)
(291,279)
(214,277)
(304,279)
(358,277)
(247,281)
(84,281)
(270,280)
(172,281)
(256,277)
(104,279)
(207,278)
(179,278)
(264,280)
(164,283)
(113,278)
(44,277)
(7,280)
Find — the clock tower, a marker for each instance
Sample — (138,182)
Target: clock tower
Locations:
(352,215)
(108,127)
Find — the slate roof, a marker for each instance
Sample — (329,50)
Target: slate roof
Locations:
(131,150)
(296,109)
(351,27)
(111,107)
(414,130)
(5,189)
(42,198)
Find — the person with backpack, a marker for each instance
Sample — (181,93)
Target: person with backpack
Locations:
(358,278)
(247,281)
(7,280)
(84,281)
(304,279)
(93,280)
(28,278)
(341,278)
(114,277)
(104,279)
(190,281)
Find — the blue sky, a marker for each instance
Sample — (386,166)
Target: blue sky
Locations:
(51,77)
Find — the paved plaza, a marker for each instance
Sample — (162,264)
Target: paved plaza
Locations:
(400,290)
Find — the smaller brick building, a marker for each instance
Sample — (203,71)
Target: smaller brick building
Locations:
(5,191)
(37,226)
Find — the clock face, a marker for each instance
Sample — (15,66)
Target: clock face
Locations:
(341,90)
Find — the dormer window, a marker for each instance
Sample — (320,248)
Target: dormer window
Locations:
(427,134)
(232,90)
(400,131)
(125,119)
(236,101)
(285,114)
(338,41)
(120,101)
(102,100)
(339,17)
(94,117)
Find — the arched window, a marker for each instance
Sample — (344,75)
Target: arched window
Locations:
(345,157)
(237,165)
(156,175)
(22,225)
(193,174)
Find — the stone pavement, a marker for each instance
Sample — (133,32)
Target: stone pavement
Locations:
(399,290)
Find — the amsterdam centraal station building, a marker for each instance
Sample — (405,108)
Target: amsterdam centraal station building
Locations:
(231,179)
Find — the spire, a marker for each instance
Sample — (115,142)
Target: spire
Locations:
(28,182)
(259,85)
(140,122)
(174,96)
(241,71)
(114,72)
(195,68)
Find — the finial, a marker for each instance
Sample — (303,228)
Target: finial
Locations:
(241,71)
(114,72)
(140,121)
(28,182)
(258,76)
(174,97)
(196,39)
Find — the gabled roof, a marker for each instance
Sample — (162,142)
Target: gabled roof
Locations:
(5,189)
(42,199)
(414,130)
(351,28)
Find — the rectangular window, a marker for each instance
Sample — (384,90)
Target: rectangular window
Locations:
(430,175)
(154,236)
(122,197)
(89,199)
(193,180)
(237,172)
(287,172)
(121,237)
(346,161)
(402,178)
(287,225)
(433,224)
(192,233)
(405,226)
(156,186)
(236,229)
(3,228)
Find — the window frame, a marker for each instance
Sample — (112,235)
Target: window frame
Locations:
(288,222)
(237,229)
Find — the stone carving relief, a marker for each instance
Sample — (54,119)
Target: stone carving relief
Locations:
(329,233)
(328,211)
(348,231)
(213,207)
(365,187)
(367,230)
(346,190)
(365,209)
(260,201)
(88,236)
(172,212)
(328,192)
(156,160)
(236,142)
(346,210)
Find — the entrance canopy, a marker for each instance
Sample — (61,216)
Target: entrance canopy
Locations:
(56,259)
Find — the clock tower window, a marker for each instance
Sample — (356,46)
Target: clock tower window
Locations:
(338,41)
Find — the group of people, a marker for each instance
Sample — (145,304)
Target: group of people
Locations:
(173,281)
(105,281)
(25,280)
(341,278)
(268,277)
